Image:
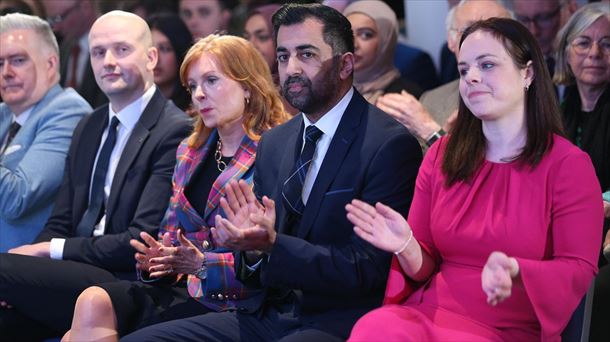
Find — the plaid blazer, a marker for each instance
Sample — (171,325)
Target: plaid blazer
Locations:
(220,290)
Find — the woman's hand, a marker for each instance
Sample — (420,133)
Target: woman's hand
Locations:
(149,249)
(185,258)
(497,277)
(380,225)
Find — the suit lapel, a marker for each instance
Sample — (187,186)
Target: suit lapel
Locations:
(294,137)
(91,141)
(237,168)
(136,140)
(339,146)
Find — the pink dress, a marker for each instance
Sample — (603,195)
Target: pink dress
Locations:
(549,219)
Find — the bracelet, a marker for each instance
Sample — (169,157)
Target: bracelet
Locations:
(434,137)
(404,246)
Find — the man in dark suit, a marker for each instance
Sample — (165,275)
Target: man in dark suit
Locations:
(317,277)
(116,184)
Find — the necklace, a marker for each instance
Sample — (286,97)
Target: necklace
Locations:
(221,165)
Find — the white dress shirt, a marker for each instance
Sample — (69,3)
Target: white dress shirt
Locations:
(128,117)
(328,124)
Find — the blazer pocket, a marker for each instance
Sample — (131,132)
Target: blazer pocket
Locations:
(338,192)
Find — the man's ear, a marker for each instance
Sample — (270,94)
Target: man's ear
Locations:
(153,55)
(52,66)
(347,66)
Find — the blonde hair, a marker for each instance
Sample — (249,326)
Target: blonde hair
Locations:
(240,61)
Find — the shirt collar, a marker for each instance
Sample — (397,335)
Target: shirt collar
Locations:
(329,122)
(22,118)
(132,112)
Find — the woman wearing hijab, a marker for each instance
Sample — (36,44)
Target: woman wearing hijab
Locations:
(375,35)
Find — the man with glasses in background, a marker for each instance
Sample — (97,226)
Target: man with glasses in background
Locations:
(71,20)
(544,18)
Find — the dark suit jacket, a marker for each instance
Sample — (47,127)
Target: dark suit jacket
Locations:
(337,276)
(140,190)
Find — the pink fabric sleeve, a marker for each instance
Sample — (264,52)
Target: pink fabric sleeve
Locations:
(399,286)
(556,286)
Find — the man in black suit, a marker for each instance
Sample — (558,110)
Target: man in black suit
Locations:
(116,184)
(316,276)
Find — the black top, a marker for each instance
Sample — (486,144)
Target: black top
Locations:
(590,130)
(400,84)
(198,188)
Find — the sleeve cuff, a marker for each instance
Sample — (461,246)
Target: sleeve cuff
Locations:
(56,249)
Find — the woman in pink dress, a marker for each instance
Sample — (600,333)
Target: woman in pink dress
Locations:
(504,231)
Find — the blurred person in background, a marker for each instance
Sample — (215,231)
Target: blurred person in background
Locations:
(375,35)
(204,17)
(71,20)
(172,39)
(258,30)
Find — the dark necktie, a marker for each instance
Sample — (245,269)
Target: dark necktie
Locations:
(96,202)
(12,132)
(293,186)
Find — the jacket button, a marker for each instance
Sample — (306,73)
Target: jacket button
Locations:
(213,296)
(205,245)
(234,296)
(220,297)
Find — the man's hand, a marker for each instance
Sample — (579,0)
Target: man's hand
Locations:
(249,225)
(41,249)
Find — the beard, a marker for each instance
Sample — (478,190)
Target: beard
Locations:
(312,96)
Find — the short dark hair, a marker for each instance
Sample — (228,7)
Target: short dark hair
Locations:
(337,31)
(466,146)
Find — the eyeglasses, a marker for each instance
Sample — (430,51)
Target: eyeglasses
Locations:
(583,45)
(540,20)
(58,19)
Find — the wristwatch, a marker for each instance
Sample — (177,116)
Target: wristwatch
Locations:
(202,272)
(435,136)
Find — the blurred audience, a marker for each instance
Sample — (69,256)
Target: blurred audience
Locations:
(431,118)
(71,20)
(172,40)
(583,65)
(464,269)
(37,119)
(375,34)
(205,17)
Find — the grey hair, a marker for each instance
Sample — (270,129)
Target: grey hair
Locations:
(450,19)
(19,21)
(578,23)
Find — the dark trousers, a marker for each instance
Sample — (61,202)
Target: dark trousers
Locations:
(43,293)
(276,324)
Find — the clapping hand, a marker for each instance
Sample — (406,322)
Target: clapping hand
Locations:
(497,277)
(249,225)
(380,225)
